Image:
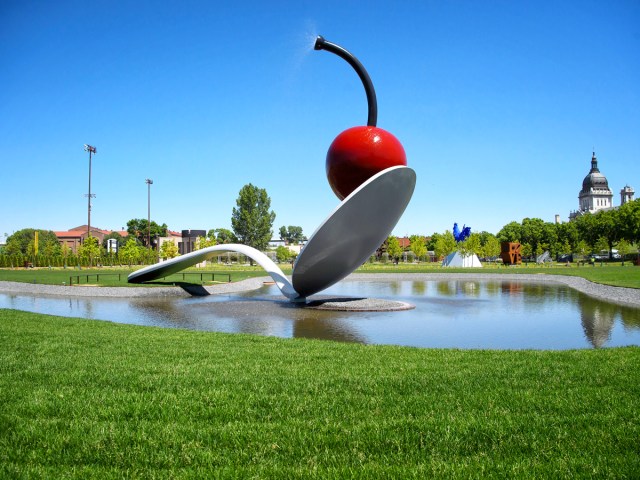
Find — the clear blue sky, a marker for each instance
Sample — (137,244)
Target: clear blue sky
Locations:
(498,106)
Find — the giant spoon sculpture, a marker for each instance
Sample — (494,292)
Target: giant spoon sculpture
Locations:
(366,168)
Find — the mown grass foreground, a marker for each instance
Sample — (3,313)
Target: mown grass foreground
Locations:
(91,399)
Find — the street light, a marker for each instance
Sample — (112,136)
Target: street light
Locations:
(149,182)
(91,150)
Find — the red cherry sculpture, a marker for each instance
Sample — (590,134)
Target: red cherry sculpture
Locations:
(359,153)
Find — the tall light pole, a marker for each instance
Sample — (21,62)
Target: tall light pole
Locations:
(149,182)
(91,150)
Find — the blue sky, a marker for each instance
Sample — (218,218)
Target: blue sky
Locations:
(498,106)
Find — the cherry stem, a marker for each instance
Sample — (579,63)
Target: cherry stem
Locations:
(322,44)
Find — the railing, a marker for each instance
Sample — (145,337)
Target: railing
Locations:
(213,274)
(86,277)
(98,275)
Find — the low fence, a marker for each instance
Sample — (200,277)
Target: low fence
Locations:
(202,274)
(88,275)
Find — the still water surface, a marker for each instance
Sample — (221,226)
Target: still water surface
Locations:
(448,314)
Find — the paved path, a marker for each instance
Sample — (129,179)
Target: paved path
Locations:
(620,295)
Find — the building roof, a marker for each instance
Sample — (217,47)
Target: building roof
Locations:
(404,242)
(81,230)
(69,233)
(594,179)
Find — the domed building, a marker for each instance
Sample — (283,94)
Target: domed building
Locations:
(596,194)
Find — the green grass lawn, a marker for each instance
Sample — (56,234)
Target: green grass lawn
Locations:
(609,274)
(108,276)
(92,399)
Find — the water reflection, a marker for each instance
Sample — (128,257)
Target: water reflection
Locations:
(446,288)
(458,314)
(471,288)
(260,315)
(599,320)
(418,288)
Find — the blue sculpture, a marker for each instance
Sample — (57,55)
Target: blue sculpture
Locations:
(461,236)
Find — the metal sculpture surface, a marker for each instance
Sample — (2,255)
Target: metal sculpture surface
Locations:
(510,253)
(366,168)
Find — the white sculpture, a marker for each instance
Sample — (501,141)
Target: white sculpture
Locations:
(357,227)
(345,240)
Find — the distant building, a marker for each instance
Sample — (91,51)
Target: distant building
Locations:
(404,242)
(595,194)
(74,237)
(626,195)
(189,237)
(173,237)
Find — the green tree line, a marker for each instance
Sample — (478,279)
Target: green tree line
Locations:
(252,222)
(589,233)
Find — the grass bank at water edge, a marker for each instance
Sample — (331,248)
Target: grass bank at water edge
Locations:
(90,399)
(608,274)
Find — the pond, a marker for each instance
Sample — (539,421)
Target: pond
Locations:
(449,314)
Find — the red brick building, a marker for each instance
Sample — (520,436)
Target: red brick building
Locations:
(74,237)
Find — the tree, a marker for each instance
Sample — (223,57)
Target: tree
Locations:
(19,242)
(202,242)
(417,245)
(623,249)
(131,251)
(582,247)
(252,220)
(471,245)
(138,228)
(393,247)
(445,244)
(65,251)
(490,245)
(168,250)
(431,242)
(550,237)
(511,232)
(12,247)
(49,245)
(601,245)
(292,235)
(568,232)
(533,231)
(90,249)
(382,249)
(586,225)
(222,235)
(112,236)
(629,221)
(608,226)
(284,255)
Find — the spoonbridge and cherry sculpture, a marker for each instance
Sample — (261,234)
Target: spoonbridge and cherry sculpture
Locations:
(366,169)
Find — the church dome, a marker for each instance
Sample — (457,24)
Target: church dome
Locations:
(594,179)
